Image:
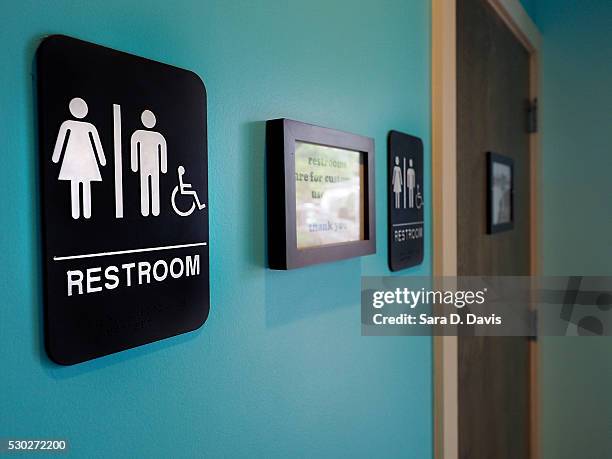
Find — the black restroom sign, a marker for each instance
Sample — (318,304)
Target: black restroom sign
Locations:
(124,199)
(406,204)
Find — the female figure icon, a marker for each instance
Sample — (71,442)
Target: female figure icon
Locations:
(80,143)
(397,182)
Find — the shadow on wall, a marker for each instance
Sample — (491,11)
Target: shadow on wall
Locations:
(35,235)
(300,293)
(255,192)
(296,294)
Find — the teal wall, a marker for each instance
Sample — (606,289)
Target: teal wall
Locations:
(530,8)
(280,368)
(576,233)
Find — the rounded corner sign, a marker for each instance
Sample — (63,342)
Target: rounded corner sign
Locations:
(405,200)
(124,199)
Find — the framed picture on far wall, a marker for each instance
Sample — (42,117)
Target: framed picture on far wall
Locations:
(320,194)
(500,193)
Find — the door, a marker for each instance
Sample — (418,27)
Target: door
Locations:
(492,95)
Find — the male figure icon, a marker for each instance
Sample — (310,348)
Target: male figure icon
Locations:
(148,151)
(410,183)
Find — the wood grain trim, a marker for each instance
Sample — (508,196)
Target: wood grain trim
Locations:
(444,150)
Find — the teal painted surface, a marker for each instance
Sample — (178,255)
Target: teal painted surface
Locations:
(576,374)
(530,8)
(280,368)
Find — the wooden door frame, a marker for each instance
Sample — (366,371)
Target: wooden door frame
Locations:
(444,166)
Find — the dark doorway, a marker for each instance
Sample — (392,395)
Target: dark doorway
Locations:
(492,95)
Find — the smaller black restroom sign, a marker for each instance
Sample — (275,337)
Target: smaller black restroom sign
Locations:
(124,199)
(405,200)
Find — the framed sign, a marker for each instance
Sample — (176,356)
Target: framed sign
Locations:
(405,200)
(124,177)
(500,193)
(320,194)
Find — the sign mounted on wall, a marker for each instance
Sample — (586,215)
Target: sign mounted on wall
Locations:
(320,194)
(124,178)
(405,200)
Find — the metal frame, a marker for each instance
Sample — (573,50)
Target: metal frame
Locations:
(283,253)
(493,228)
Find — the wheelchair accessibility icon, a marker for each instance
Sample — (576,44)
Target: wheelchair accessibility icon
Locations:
(418,199)
(188,198)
